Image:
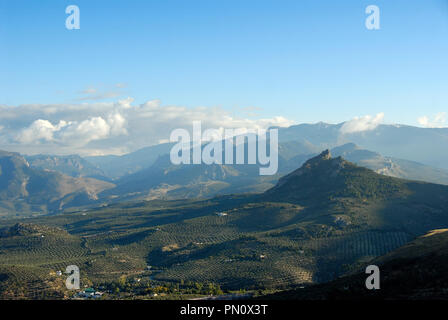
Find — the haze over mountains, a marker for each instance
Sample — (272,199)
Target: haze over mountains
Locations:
(425,145)
(118,166)
(149,174)
(73,165)
(24,189)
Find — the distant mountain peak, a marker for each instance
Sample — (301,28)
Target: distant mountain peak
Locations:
(325,155)
(324,159)
(323,178)
(321,164)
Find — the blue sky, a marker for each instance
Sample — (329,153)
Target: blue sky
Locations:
(306,60)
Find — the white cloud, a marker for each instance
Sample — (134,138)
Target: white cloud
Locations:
(125,103)
(438,121)
(109,127)
(117,124)
(360,124)
(72,132)
(40,130)
(95,128)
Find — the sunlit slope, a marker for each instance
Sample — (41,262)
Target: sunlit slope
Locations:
(416,270)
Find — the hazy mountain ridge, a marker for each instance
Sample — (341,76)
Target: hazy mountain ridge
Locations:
(149,174)
(26,189)
(390,166)
(72,165)
(157,176)
(185,181)
(424,145)
(116,167)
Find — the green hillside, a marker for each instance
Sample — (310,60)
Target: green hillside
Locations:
(325,179)
(415,271)
(321,221)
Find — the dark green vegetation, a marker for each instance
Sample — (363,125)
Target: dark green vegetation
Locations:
(24,273)
(143,287)
(320,221)
(414,271)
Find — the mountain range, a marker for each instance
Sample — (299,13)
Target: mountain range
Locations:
(26,189)
(427,146)
(71,165)
(148,173)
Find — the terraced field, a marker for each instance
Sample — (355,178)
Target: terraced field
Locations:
(250,246)
(19,282)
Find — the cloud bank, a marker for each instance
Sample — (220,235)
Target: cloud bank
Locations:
(360,124)
(99,128)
